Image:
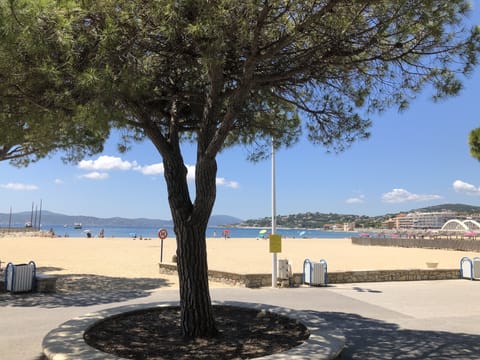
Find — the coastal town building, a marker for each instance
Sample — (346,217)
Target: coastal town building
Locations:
(393,223)
(339,227)
(420,220)
(350,226)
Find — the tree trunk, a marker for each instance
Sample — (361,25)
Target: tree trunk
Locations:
(190,225)
(196,309)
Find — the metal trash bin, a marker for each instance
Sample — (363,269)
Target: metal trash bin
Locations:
(20,277)
(476,268)
(315,273)
(466,268)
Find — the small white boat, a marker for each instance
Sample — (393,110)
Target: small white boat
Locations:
(77,225)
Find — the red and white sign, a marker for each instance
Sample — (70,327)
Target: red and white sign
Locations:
(162,234)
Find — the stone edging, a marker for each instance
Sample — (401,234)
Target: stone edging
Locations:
(67,343)
(342,277)
(337,277)
(439,243)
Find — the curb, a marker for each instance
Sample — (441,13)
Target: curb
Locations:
(66,341)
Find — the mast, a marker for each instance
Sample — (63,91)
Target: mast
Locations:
(31,215)
(40,215)
(35,219)
(10,219)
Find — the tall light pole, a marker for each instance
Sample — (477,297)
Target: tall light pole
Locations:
(274,220)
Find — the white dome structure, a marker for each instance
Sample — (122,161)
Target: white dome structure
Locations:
(456,225)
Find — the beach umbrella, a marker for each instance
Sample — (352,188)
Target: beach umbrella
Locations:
(226,233)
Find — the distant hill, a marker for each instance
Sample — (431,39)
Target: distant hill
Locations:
(307,220)
(218,220)
(319,220)
(52,218)
(460,208)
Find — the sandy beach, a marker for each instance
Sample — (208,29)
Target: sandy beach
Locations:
(129,258)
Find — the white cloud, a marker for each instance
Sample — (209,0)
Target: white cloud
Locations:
(356,200)
(402,195)
(463,187)
(153,169)
(156,169)
(223,182)
(191,172)
(58,181)
(115,163)
(107,163)
(220,181)
(95,175)
(18,186)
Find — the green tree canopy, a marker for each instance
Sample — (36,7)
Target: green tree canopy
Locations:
(36,114)
(474,142)
(218,73)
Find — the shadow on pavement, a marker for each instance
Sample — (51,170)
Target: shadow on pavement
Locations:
(86,290)
(373,339)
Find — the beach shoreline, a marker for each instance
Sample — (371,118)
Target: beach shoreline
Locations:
(135,258)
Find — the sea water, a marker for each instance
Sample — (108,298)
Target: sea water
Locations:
(212,232)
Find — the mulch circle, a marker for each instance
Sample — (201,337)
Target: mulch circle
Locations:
(155,334)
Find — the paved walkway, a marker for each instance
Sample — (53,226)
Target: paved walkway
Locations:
(397,320)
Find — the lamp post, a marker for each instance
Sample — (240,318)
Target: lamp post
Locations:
(274,223)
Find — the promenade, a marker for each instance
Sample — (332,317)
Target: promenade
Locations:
(383,320)
(398,320)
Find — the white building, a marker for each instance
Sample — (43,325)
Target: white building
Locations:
(349,226)
(428,220)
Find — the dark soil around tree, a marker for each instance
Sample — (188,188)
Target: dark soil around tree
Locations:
(156,334)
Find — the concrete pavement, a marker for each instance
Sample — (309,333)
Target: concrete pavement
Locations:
(392,320)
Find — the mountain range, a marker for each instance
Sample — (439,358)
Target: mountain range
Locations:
(51,218)
(303,220)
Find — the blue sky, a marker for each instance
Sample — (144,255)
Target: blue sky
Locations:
(413,159)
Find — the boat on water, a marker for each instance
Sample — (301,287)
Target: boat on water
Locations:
(77,225)
(28,224)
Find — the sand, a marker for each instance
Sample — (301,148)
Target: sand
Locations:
(125,257)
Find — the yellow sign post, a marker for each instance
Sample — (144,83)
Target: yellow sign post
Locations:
(275,243)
